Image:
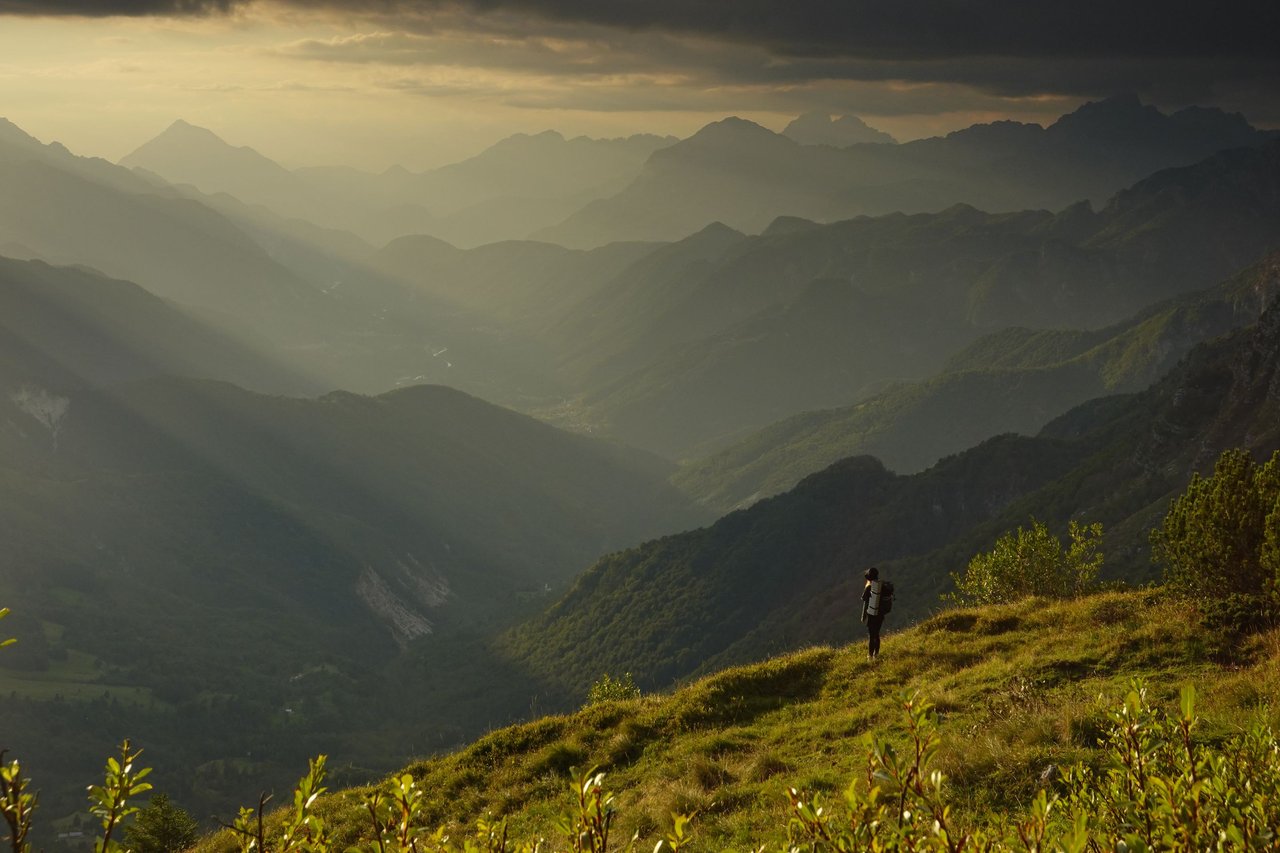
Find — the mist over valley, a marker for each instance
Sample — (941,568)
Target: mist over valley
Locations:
(527,348)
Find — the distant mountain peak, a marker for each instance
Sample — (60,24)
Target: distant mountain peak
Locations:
(518,141)
(547,135)
(731,136)
(819,128)
(10,132)
(1126,119)
(183,152)
(1215,123)
(184,128)
(714,239)
(733,127)
(789,225)
(1123,113)
(717,229)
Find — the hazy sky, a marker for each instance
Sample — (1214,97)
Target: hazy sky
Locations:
(421,82)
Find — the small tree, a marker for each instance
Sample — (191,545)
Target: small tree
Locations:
(1221,536)
(1032,562)
(161,827)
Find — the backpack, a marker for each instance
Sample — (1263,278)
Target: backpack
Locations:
(886,597)
(881,600)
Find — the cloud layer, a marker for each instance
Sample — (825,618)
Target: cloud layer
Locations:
(639,54)
(902,29)
(106,8)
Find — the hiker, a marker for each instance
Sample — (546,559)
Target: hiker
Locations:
(877,599)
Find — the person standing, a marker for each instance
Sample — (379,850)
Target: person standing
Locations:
(872,611)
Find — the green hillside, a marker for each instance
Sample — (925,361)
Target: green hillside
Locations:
(241,579)
(1022,690)
(784,572)
(1015,380)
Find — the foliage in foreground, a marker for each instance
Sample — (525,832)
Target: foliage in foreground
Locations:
(1032,561)
(110,802)
(1157,787)
(4,611)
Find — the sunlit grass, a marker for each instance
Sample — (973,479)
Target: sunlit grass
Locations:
(1021,690)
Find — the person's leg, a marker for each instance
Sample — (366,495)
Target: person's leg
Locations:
(873,635)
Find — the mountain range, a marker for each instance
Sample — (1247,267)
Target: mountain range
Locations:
(1015,380)
(744,175)
(708,339)
(210,546)
(510,189)
(819,128)
(305,297)
(685,348)
(583,192)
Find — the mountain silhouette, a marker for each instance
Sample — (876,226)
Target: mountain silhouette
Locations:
(818,128)
(519,184)
(734,172)
(819,316)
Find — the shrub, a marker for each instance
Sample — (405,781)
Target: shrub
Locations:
(609,689)
(1032,561)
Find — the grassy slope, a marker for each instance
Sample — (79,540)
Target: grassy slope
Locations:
(1018,688)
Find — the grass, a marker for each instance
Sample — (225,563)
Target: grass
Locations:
(1021,690)
(77,677)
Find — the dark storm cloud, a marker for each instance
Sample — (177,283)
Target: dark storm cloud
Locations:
(891,29)
(1181,52)
(904,29)
(104,8)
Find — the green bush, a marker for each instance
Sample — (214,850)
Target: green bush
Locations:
(609,689)
(1032,561)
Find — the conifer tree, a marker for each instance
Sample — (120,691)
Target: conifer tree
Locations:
(1221,537)
(161,827)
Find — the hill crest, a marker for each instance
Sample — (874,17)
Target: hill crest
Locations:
(1037,678)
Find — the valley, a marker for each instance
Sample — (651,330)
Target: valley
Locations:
(395,465)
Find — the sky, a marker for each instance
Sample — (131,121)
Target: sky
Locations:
(420,83)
